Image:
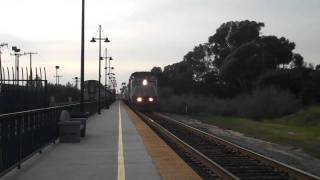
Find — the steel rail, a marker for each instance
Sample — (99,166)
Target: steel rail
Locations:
(291,171)
(208,163)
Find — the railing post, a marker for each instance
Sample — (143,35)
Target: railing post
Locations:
(19,142)
(2,145)
(46,93)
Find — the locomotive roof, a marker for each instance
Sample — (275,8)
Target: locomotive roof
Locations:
(145,74)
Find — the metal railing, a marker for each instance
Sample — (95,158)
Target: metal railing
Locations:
(23,134)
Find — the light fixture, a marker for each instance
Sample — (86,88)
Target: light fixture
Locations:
(15,49)
(93,40)
(150,99)
(107,40)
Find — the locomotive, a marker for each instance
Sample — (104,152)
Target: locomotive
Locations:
(142,92)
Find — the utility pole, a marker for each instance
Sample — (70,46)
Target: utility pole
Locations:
(1,46)
(17,55)
(30,63)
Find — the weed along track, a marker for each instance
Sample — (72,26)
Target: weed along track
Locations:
(215,158)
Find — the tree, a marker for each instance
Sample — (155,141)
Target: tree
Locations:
(232,35)
(276,51)
(298,61)
(156,71)
(180,77)
(248,62)
(238,59)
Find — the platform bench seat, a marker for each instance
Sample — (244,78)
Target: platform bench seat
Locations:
(83,126)
(70,129)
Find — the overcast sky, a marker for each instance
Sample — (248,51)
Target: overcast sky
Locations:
(143,33)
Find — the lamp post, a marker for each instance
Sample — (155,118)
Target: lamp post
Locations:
(94,39)
(110,68)
(111,75)
(76,80)
(57,77)
(112,84)
(106,76)
(82,59)
(112,79)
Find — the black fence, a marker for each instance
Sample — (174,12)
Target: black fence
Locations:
(22,90)
(22,134)
(21,95)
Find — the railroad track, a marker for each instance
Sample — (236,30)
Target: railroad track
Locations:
(215,158)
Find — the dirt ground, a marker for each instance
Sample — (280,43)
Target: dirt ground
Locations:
(285,154)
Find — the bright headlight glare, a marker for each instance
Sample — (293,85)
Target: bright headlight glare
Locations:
(150,99)
(144,82)
(139,99)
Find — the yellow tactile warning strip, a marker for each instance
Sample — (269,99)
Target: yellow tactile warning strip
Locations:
(169,164)
(121,168)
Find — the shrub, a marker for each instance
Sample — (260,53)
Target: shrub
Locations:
(263,103)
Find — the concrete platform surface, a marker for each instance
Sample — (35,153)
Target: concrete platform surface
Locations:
(112,149)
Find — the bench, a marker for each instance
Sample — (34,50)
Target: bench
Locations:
(79,116)
(71,129)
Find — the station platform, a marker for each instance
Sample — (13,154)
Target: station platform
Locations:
(118,145)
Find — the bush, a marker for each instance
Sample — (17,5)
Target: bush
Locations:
(268,103)
(264,103)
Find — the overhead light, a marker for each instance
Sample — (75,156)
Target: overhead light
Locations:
(15,49)
(107,40)
(93,40)
(150,99)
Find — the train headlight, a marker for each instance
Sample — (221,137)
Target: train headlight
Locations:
(150,99)
(139,99)
(144,82)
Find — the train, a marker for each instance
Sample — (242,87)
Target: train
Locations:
(142,91)
(91,92)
